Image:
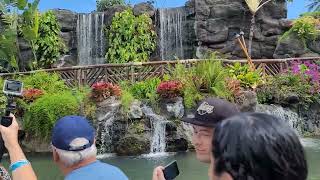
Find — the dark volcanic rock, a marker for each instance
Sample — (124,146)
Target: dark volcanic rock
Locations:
(142,8)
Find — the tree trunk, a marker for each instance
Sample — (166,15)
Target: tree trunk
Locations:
(253,20)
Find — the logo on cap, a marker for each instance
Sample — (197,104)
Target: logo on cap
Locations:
(205,108)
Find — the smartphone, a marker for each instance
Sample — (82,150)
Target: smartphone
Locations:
(171,171)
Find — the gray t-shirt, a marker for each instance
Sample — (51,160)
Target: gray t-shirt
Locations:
(97,171)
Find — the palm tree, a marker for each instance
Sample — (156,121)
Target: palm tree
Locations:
(254,6)
(314,5)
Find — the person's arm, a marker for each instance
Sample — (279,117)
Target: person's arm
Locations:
(10,138)
(158,173)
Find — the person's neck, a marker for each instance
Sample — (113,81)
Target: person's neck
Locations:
(66,170)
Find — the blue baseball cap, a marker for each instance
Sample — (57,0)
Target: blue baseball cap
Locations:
(69,129)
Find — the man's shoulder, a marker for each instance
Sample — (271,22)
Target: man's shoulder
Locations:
(97,170)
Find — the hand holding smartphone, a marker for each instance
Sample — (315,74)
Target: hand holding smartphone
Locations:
(171,171)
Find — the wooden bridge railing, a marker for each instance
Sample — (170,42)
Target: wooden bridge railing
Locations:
(115,73)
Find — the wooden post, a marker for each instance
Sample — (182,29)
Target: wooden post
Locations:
(132,73)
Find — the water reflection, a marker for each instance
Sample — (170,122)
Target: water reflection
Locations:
(140,168)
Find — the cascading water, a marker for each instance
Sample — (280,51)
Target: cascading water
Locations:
(158,143)
(172,33)
(91,38)
(292,118)
(105,137)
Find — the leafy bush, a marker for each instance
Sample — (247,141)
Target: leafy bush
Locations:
(45,111)
(131,39)
(126,100)
(186,76)
(145,89)
(49,82)
(169,89)
(302,80)
(211,76)
(306,28)
(101,91)
(49,44)
(315,14)
(247,78)
(104,4)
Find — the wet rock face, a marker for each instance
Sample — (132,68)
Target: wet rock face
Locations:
(217,21)
(290,46)
(143,8)
(247,101)
(132,146)
(131,133)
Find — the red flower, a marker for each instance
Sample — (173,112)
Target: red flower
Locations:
(102,90)
(170,89)
(32,94)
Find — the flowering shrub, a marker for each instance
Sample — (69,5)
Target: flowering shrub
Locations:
(102,90)
(170,89)
(301,80)
(32,94)
(309,73)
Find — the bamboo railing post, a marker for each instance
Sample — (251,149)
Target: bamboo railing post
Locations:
(79,78)
(132,73)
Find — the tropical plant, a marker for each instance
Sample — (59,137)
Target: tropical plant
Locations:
(315,14)
(48,82)
(49,44)
(214,78)
(30,95)
(45,111)
(101,91)
(191,93)
(8,36)
(306,28)
(170,89)
(314,5)
(145,89)
(104,4)
(29,25)
(302,79)
(126,100)
(131,38)
(254,7)
(247,77)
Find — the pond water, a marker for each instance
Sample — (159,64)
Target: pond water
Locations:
(140,168)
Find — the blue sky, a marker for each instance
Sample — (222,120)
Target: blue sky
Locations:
(294,9)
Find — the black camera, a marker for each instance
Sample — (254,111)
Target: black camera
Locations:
(11,89)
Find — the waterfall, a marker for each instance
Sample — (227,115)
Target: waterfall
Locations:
(172,33)
(91,38)
(158,123)
(106,136)
(290,117)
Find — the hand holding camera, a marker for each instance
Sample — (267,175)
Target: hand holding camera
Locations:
(10,134)
(11,89)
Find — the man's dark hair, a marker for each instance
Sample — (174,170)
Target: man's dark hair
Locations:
(256,146)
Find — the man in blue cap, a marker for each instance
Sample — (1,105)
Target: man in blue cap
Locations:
(74,151)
